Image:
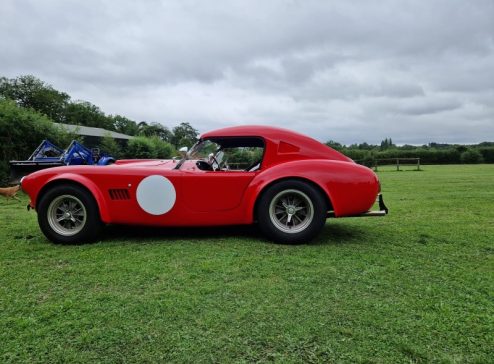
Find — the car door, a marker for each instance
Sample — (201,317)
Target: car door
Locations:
(212,191)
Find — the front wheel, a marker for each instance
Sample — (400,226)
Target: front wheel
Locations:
(291,211)
(68,214)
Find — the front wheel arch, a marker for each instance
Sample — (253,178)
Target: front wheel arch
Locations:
(59,182)
(67,181)
(59,219)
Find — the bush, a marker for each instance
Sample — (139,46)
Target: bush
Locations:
(471,156)
(110,146)
(149,148)
(487,154)
(4,173)
(355,154)
(21,131)
(161,148)
(369,160)
(140,147)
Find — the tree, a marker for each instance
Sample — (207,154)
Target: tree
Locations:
(30,92)
(334,145)
(487,153)
(386,144)
(471,156)
(87,114)
(155,129)
(141,127)
(184,135)
(461,148)
(365,146)
(124,125)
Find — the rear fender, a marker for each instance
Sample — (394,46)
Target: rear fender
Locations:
(301,170)
(349,187)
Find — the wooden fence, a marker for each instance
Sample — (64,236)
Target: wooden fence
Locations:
(398,162)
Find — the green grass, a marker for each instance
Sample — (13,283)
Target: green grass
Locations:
(415,286)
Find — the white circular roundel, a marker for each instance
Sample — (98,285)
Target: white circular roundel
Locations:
(156,195)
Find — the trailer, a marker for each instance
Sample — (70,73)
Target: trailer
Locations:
(48,155)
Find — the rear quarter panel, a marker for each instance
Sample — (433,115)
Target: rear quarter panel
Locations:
(351,188)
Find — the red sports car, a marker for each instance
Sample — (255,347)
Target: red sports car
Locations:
(286,182)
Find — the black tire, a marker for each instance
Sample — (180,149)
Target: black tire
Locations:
(84,230)
(270,213)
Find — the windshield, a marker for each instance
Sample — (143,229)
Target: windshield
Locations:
(202,149)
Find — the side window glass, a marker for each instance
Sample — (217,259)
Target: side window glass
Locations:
(228,154)
(243,158)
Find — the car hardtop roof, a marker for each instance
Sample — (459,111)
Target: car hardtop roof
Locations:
(279,137)
(269,132)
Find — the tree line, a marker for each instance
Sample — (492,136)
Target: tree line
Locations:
(29,106)
(32,93)
(431,153)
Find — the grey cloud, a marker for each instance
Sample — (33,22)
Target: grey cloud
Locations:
(345,70)
(424,106)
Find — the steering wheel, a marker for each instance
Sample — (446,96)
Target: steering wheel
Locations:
(204,166)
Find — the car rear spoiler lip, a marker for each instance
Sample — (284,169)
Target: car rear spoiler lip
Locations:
(383,210)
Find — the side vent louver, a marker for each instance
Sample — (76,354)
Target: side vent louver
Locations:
(119,194)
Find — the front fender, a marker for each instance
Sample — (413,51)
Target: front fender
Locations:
(87,183)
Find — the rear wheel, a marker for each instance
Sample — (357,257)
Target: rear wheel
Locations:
(68,214)
(291,211)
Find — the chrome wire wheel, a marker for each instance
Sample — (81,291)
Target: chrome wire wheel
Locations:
(66,215)
(291,211)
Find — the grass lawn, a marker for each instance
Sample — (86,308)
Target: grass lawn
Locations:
(415,286)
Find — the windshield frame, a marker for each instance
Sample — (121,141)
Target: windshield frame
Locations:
(188,154)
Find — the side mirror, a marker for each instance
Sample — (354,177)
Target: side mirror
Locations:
(183,151)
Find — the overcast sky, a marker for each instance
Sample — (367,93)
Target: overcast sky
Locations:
(351,71)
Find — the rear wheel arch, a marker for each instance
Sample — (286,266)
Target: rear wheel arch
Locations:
(324,194)
(302,216)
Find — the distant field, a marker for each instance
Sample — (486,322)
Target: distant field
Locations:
(415,286)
